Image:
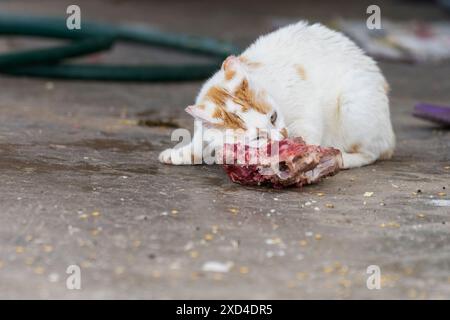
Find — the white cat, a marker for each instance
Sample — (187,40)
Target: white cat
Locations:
(308,79)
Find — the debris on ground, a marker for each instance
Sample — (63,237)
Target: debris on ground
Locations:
(216,266)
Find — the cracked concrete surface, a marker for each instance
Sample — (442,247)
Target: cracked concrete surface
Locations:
(80,183)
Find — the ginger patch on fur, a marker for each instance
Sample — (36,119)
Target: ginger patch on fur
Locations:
(248,63)
(249,100)
(218,96)
(229,74)
(355,148)
(229,119)
(301,72)
(243,96)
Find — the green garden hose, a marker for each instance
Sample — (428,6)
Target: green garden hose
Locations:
(118,72)
(93,37)
(39,56)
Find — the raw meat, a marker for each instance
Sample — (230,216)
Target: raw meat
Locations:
(289,162)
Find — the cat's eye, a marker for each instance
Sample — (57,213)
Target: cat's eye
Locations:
(273,118)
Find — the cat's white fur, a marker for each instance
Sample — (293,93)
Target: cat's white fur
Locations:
(323,86)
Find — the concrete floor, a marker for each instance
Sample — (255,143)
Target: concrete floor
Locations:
(72,148)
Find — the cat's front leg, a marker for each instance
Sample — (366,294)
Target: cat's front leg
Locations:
(180,156)
(189,154)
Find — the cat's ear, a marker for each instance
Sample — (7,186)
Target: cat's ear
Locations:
(199,112)
(232,65)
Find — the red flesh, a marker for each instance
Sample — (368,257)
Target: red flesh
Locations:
(298,163)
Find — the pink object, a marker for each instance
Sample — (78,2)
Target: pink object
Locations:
(289,162)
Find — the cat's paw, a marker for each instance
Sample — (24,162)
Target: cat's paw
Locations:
(175,157)
(165,156)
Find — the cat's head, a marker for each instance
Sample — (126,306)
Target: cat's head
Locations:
(233,100)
